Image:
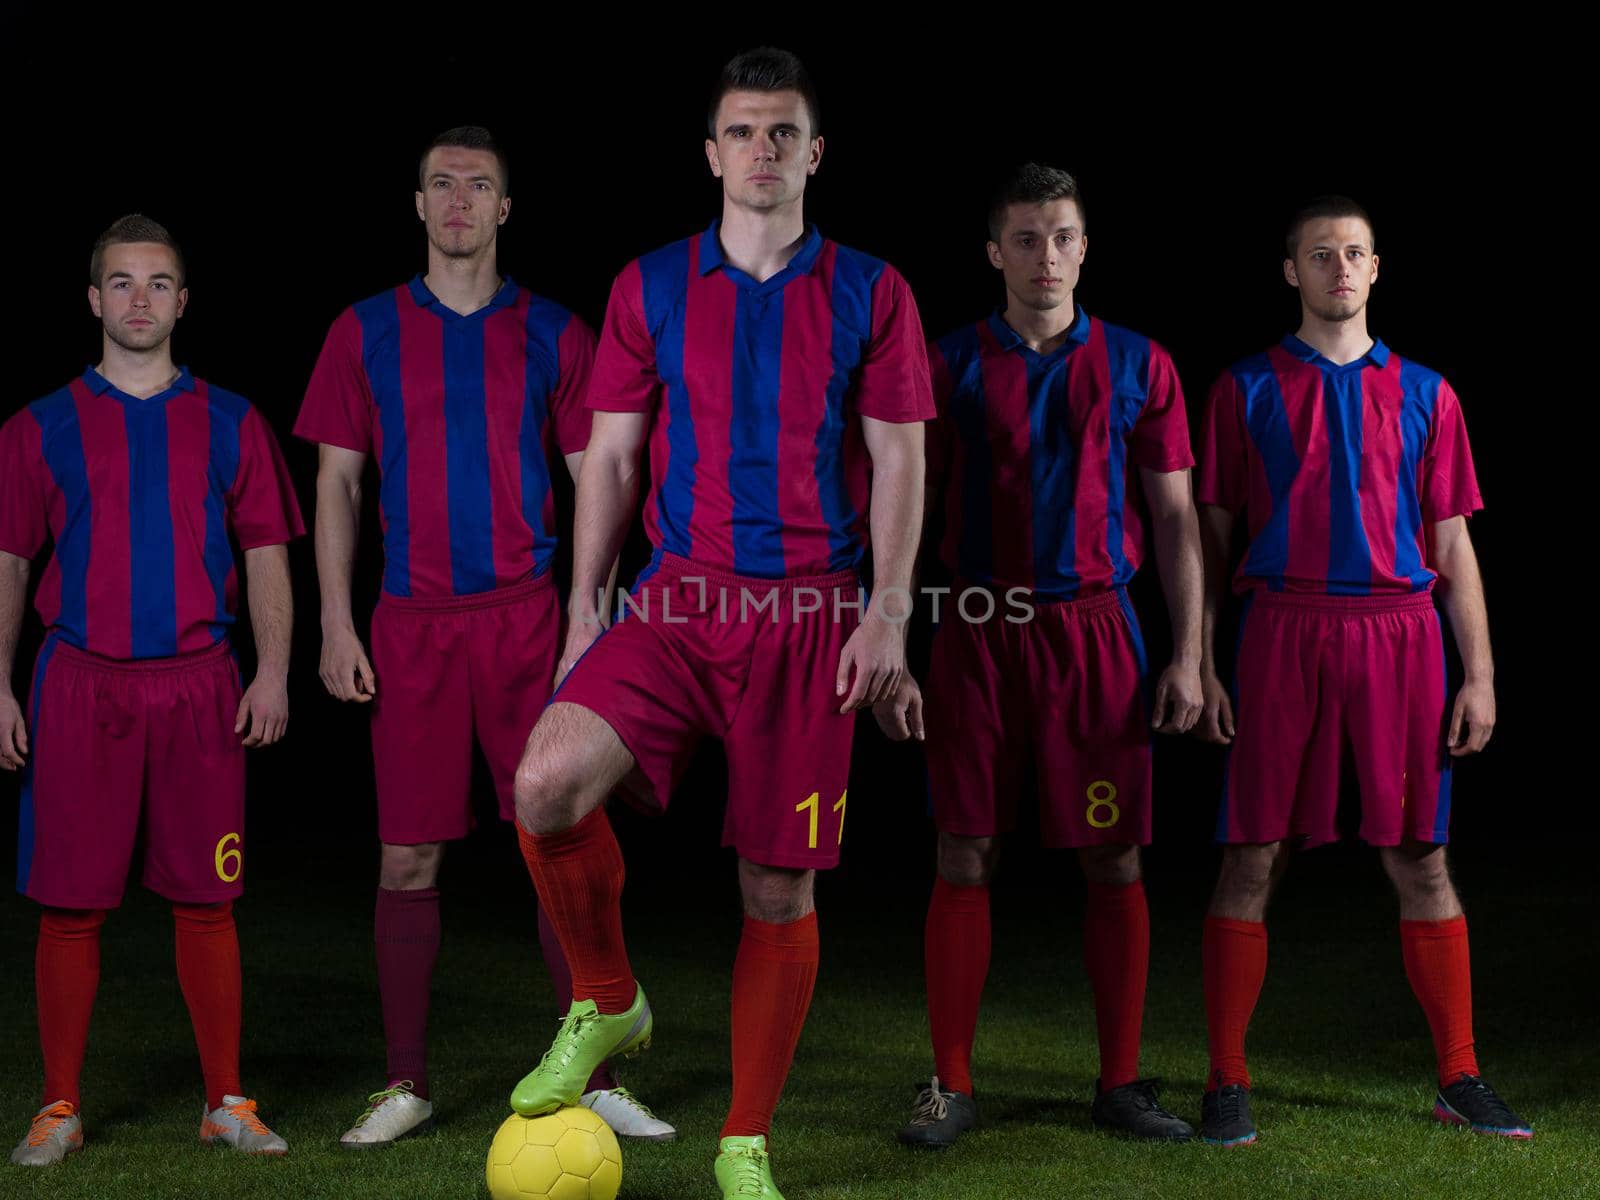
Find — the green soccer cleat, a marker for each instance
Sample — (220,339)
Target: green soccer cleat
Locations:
(587,1038)
(744,1170)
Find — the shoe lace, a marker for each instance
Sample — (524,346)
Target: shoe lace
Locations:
(571,1035)
(1230,1103)
(1485,1099)
(1143,1094)
(932,1106)
(751,1172)
(378,1099)
(627,1097)
(244,1112)
(47,1122)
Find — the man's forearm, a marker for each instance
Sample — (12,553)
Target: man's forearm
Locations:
(608,486)
(13,595)
(338,527)
(1216,534)
(896,521)
(1178,559)
(1461,596)
(266,569)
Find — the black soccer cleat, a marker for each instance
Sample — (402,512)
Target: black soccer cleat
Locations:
(1133,1109)
(1225,1117)
(1470,1101)
(940,1118)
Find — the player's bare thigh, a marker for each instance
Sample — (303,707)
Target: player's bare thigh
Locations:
(571,763)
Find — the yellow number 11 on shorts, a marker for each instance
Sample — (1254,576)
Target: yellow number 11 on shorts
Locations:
(813,802)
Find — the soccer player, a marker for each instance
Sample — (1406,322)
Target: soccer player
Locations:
(1044,414)
(1352,470)
(465,387)
(768,367)
(138,472)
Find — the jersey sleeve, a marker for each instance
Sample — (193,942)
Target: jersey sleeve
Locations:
(893,384)
(261,503)
(1160,437)
(624,377)
(938,435)
(338,408)
(569,408)
(25,485)
(1449,480)
(1222,476)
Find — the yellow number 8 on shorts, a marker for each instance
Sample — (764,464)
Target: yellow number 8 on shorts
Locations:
(1103,812)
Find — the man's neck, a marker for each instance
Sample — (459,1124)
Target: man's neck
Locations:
(463,285)
(140,373)
(760,242)
(1339,342)
(1042,330)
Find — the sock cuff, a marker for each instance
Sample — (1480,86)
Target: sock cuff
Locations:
(1251,929)
(1115,893)
(202,916)
(955,896)
(1451,928)
(407,895)
(790,941)
(575,842)
(71,922)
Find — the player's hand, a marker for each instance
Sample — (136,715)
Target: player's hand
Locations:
(580,636)
(1472,722)
(1179,699)
(900,715)
(344,668)
(876,652)
(13,733)
(264,710)
(1216,717)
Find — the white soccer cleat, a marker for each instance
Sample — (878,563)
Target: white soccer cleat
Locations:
(56,1132)
(627,1116)
(391,1115)
(234,1123)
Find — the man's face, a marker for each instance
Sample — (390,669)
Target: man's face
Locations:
(461,202)
(139,299)
(764,149)
(1040,251)
(1333,267)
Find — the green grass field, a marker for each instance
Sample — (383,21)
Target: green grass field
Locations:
(1340,1052)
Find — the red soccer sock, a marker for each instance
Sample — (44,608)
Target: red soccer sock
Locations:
(208,973)
(1439,966)
(1116,951)
(66,968)
(1233,965)
(406,934)
(555,961)
(955,955)
(578,874)
(773,977)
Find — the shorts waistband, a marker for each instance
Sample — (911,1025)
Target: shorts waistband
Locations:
(188,661)
(1355,606)
(471,601)
(673,567)
(1093,605)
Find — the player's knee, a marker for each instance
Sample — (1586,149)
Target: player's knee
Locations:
(1113,864)
(546,795)
(967,861)
(1247,873)
(404,868)
(775,895)
(1420,873)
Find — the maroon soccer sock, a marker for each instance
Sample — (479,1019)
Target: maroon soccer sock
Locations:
(66,967)
(1234,966)
(956,944)
(208,973)
(773,978)
(406,932)
(1439,966)
(561,980)
(578,874)
(1116,951)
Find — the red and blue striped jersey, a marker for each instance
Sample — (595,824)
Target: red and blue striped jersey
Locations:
(1034,450)
(463,414)
(139,496)
(757,463)
(1339,470)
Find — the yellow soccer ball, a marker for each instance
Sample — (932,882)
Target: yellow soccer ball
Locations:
(571,1154)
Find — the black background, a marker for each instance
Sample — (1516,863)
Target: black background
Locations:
(287,173)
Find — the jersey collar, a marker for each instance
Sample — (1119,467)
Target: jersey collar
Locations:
(100,385)
(1009,339)
(1378,356)
(425,298)
(711,257)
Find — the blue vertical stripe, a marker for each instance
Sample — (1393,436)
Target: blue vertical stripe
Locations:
(542,375)
(380,355)
(1053,469)
(225,412)
(1136,636)
(25,815)
(61,442)
(1128,365)
(1267,419)
(1441,813)
(466,445)
(152,586)
(1419,395)
(969,419)
(854,277)
(753,433)
(1349,555)
(664,284)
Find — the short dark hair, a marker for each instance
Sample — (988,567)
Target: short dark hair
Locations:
(467,137)
(135,227)
(1032,183)
(765,69)
(1320,209)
